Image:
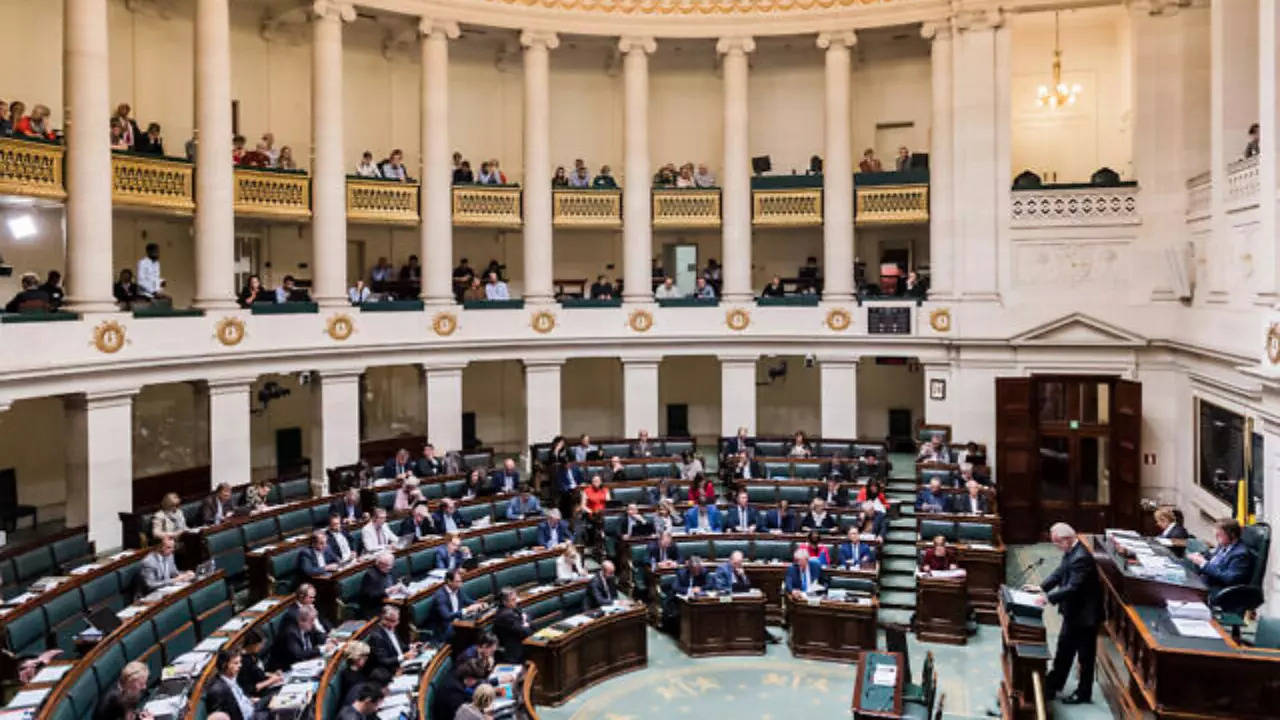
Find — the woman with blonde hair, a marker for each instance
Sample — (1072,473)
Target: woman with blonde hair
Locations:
(356,653)
(569,564)
(169,520)
(481,705)
(666,518)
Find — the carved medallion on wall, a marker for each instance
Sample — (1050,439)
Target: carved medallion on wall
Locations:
(108,336)
(640,320)
(737,319)
(1273,343)
(543,322)
(229,330)
(940,320)
(340,326)
(839,319)
(444,324)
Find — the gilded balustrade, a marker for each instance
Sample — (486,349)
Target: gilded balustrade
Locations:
(153,182)
(487,206)
(273,194)
(891,204)
(686,208)
(382,201)
(31,168)
(800,207)
(586,208)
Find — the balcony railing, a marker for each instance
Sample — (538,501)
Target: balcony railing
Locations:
(586,208)
(31,168)
(686,208)
(151,181)
(891,204)
(1075,205)
(1243,183)
(382,201)
(495,206)
(799,207)
(273,194)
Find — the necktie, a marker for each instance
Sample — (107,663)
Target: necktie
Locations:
(306,642)
(742,518)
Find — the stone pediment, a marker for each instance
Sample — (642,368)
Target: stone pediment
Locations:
(1080,330)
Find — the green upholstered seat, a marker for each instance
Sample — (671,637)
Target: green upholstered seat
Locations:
(794,494)
(387,498)
(319,515)
(206,598)
(260,532)
(8,579)
(661,470)
(673,448)
(807,470)
(348,588)
(929,529)
(99,591)
(856,584)
(471,513)
(525,573)
(479,587)
(400,566)
(544,608)
(34,564)
(106,669)
(611,449)
(284,569)
(634,472)
(83,694)
(724,548)
(477,460)
(231,563)
(832,448)
(771,448)
(70,550)
(126,577)
(528,536)
(1267,634)
(421,562)
(627,495)
(762,493)
(501,543)
(928,474)
(546,570)
(295,522)
(61,606)
(136,641)
(25,633)
(773,550)
(701,548)
(297,489)
(170,618)
(453,488)
(432,490)
(475,544)
(776,469)
(419,611)
(179,642)
(572,601)
(214,619)
(974,532)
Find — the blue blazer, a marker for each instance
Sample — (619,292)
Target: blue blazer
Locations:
(442,557)
(939,502)
(785,523)
(440,618)
(307,564)
(713,519)
(794,580)
(578,476)
(499,485)
(846,555)
(516,508)
(730,517)
(724,578)
(389,468)
(1230,567)
(544,532)
(457,520)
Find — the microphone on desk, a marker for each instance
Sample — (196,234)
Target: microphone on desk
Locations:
(1022,574)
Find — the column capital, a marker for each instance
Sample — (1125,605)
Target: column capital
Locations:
(98,399)
(543,363)
(333,9)
(988,19)
(837,38)
(936,29)
(640,360)
(643,43)
(539,38)
(227,385)
(731,44)
(429,27)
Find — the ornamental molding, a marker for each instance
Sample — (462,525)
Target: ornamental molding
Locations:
(737,319)
(640,320)
(543,321)
(108,336)
(732,44)
(838,319)
(444,324)
(539,38)
(643,43)
(1074,207)
(229,331)
(436,27)
(1273,343)
(940,320)
(339,326)
(837,38)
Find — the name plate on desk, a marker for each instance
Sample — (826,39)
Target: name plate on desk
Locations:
(726,598)
(814,601)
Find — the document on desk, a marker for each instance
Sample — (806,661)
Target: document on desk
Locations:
(52,673)
(167,706)
(28,698)
(1195,628)
(885,675)
(1021,597)
(1188,610)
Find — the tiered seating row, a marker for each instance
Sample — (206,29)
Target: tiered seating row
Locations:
(26,562)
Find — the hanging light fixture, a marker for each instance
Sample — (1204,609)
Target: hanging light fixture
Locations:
(1059,94)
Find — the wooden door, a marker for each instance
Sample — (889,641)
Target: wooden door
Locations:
(1016,461)
(1126,454)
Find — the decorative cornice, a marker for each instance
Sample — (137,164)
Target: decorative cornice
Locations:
(735,44)
(644,43)
(710,8)
(333,10)
(543,38)
(936,29)
(435,27)
(986,19)
(1165,8)
(837,38)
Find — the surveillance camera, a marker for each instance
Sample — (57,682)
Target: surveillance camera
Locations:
(810,360)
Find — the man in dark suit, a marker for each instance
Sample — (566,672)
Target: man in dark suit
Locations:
(452,554)
(972,502)
(299,641)
(663,552)
(428,465)
(1231,564)
(804,575)
(317,559)
(217,507)
(456,689)
(741,517)
(448,604)
(731,576)
(337,541)
(1075,589)
(854,551)
(368,696)
(692,579)
(419,525)
(834,494)
(507,479)
(634,523)
(932,499)
(739,444)
(553,531)
(399,467)
(377,580)
(305,596)
(603,588)
(781,518)
(348,506)
(386,652)
(224,694)
(448,519)
(511,625)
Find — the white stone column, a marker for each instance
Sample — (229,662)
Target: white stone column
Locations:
(839,384)
(735,180)
(941,161)
(737,393)
(637,221)
(542,399)
(640,395)
(230,447)
(537,165)
(837,175)
(444,406)
(1267,258)
(328,179)
(335,420)
(100,463)
(214,182)
(437,175)
(88,156)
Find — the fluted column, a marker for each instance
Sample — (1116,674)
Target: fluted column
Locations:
(88,158)
(537,164)
(837,177)
(328,180)
(637,222)
(941,162)
(215,213)
(735,201)
(437,220)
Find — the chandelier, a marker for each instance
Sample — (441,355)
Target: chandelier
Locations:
(1059,93)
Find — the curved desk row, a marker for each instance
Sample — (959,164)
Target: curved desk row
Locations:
(233,634)
(600,648)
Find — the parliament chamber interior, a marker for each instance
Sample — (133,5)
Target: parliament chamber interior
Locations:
(622,359)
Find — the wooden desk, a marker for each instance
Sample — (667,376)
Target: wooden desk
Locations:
(831,629)
(605,647)
(1023,655)
(942,609)
(722,625)
(871,701)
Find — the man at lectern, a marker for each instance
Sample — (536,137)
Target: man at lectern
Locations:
(1075,589)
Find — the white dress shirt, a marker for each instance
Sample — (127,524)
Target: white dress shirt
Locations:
(375,538)
(497,291)
(148,277)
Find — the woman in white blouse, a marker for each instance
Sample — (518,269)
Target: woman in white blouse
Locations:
(569,564)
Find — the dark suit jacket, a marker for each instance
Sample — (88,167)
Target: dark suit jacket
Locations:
(579,478)
(220,698)
(725,579)
(839,499)
(373,590)
(500,481)
(511,631)
(417,531)
(441,615)
(1075,589)
(960,503)
(637,529)
(210,508)
(673,553)
(864,554)
(601,592)
(309,566)
(382,654)
(1232,566)
(793,579)
(425,468)
(828,522)
(339,507)
(391,469)
(251,673)
(450,696)
(294,645)
(686,581)
(438,519)
(544,532)
(1175,532)
(443,558)
(735,446)
(786,523)
(729,518)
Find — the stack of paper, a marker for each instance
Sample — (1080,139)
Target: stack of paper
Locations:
(85,569)
(293,695)
(1194,628)
(51,673)
(28,698)
(167,706)
(403,684)
(885,675)
(307,669)
(1190,610)
(211,644)
(263,605)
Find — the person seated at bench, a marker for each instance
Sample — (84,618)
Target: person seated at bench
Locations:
(448,519)
(703,517)
(869,463)
(781,519)
(30,298)
(376,535)
(158,568)
(553,531)
(448,604)
(419,525)
(485,650)
(299,641)
(253,678)
(289,292)
(667,290)
(506,480)
(800,447)
(217,507)
(934,451)
(666,518)
(702,488)
(408,494)
(742,517)
(1170,527)
(731,576)
(972,502)
(348,507)
(818,518)
(1230,564)
(224,694)
(452,554)
(872,521)
(812,544)
(523,504)
(376,583)
(663,552)
(457,689)
(873,493)
(970,456)
(475,485)
(318,559)
(385,650)
(428,465)
(634,523)
(692,579)
(774,288)
(854,552)
(356,672)
(169,520)
(510,627)
(643,447)
(937,557)
(834,494)
(602,590)
(932,499)
(304,597)
(366,698)
(338,541)
(122,700)
(804,575)
(257,493)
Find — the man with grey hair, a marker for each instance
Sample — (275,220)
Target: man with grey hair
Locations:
(553,530)
(300,641)
(731,576)
(1075,589)
(377,581)
(511,625)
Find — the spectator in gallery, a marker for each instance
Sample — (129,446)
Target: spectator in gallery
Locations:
(462,174)
(774,288)
(359,293)
(487,175)
(496,169)
(704,178)
(602,289)
(666,176)
(267,146)
(903,160)
(393,167)
(604,179)
(128,126)
(703,290)
(685,178)
(581,178)
(382,271)
(712,273)
(914,287)
(496,289)
(189,149)
(117,136)
(1252,147)
(411,271)
(367,167)
(31,298)
(475,291)
(285,160)
(560,179)
(125,288)
(289,292)
(6,125)
(668,290)
(237,149)
(815,165)
(35,125)
(253,292)
(870,163)
(151,143)
(53,288)
(150,284)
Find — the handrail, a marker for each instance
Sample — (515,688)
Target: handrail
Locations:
(332,665)
(530,675)
(1041,714)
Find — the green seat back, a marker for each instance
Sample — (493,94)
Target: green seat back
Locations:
(475,544)
(136,641)
(260,532)
(34,564)
(928,474)
(724,548)
(386,499)
(612,525)
(1257,538)
(661,470)
(61,606)
(807,470)
(571,602)
(628,495)
(181,641)
(974,532)
(673,448)
(479,587)
(400,566)
(223,540)
(634,472)
(611,449)
(99,591)
(422,562)
(513,577)
(528,536)
(546,570)
(106,669)
(453,488)
(207,598)
(214,620)
(471,513)
(83,693)
(284,567)
(762,494)
(1268,633)
(295,521)
(543,608)
(857,584)
(295,489)
(929,529)
(926,434)
(773,550)
(501,543)
(171,618)
(772,470)
(832,448)
(348,587)
(639,554)
(860,448)
(795,494)
(771,448)
(432,490)
(701,548)
(26,632)
(71,549)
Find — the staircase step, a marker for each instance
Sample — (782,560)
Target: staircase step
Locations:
(894,616)
(898,565)
(908,511)
(903,485)
(907,551)
(898,599)
(903,524)
(902,536)
(898,582)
